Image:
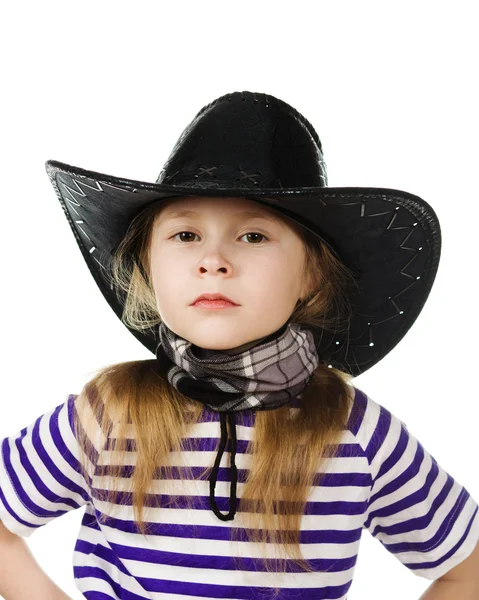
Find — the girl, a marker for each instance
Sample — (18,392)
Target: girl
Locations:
(241,461)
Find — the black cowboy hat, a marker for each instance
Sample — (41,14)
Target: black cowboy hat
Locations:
(256,146)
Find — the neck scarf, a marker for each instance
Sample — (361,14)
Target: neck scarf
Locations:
(272,372)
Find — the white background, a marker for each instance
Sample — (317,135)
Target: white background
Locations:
(391,89)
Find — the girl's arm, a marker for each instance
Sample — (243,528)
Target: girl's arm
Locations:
(444,589)
(21,577)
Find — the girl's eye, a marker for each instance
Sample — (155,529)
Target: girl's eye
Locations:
(249,233)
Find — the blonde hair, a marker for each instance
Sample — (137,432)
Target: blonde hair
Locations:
(127,394)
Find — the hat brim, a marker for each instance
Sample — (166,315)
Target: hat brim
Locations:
(390,237)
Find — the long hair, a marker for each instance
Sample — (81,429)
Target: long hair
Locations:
(130,404)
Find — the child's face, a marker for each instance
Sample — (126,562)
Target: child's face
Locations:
(263,276)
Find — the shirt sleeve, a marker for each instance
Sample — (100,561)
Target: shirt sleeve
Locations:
(40,474)
(416,509)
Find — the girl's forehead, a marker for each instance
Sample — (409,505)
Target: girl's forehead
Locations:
(199,204)
(198,201)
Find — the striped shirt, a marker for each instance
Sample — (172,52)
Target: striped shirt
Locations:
(382,480)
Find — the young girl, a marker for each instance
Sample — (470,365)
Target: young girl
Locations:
(241,461)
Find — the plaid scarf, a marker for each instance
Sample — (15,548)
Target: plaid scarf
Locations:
(263,377)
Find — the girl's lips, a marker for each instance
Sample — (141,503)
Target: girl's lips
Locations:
(214,304)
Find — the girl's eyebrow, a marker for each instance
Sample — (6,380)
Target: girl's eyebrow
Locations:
(247,214)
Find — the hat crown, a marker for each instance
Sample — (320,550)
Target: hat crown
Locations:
(246,140)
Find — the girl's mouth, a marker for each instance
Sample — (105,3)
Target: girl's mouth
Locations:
(214,304)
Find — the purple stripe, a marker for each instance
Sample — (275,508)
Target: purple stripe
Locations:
(378,437)
(339,507)
(358,411)
(99,596)
(179,473)
(84,547)
(209,444)
(199,444)
(396,456)
(197,561)
(169,586)
(213,533)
